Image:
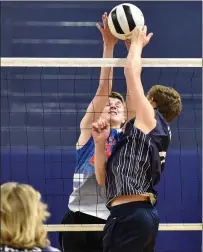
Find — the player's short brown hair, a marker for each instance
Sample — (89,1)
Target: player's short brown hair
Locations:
(168,101)
(118,96)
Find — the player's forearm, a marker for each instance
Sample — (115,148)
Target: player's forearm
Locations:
(137,103)
(97,105)
(106,75)
(134,60)
(100,163)
(135,92)
(133,70)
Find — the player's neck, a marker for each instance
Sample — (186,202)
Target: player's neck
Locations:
(116,126)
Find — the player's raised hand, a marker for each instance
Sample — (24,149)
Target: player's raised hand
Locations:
(108,38)
(100,131)
(140,36)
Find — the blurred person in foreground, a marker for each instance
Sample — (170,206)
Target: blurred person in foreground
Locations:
(22,217)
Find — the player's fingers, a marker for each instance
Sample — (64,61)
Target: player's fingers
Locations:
(103,123)
(127,42)
(137,31)
(145,29)
(105,20)
(106,23)
(94,126)
(95,129)
(98,127)
(99,27)
(100,124)
(149,36)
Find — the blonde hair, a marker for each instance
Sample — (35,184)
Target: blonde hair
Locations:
(22,216)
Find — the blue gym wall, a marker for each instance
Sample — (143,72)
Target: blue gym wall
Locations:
(41,107)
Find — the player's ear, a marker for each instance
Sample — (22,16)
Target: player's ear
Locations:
(153,103)
(150,99)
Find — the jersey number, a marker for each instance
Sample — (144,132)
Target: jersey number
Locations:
(162,155)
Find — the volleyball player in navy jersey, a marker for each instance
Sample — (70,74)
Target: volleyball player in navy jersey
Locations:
(87,201)
(137,160)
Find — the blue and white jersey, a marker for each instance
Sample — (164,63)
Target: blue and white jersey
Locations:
(87,196)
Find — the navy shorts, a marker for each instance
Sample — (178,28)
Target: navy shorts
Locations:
(131,227)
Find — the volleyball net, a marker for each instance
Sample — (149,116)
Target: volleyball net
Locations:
(42,103)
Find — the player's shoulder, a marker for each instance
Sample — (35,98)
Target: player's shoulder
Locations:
(162,124)
(160,117)
(162,132)
(83,145)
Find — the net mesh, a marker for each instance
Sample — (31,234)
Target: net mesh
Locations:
(41,110)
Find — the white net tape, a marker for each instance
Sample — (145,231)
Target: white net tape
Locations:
(162,227)
(97,62)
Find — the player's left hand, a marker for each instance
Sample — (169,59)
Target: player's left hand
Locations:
(139,36)
(108,38)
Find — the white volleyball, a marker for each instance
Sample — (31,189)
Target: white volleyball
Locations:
(123,19)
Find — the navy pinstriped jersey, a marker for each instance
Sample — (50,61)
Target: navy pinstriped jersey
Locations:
(137,160)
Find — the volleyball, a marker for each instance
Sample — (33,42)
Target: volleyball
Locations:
(123,19)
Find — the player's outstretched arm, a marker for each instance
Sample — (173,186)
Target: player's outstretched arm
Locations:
(97,105)
(100,133)
(136,101)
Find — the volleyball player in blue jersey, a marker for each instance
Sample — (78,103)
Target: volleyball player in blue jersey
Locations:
(87,201)
(137,160)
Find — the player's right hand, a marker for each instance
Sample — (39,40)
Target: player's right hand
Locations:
(100,131)
(108,38)
(140,36)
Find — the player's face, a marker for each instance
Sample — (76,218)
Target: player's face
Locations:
(114,112)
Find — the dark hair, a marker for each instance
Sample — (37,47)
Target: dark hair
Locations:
(168,101)
(118,96)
